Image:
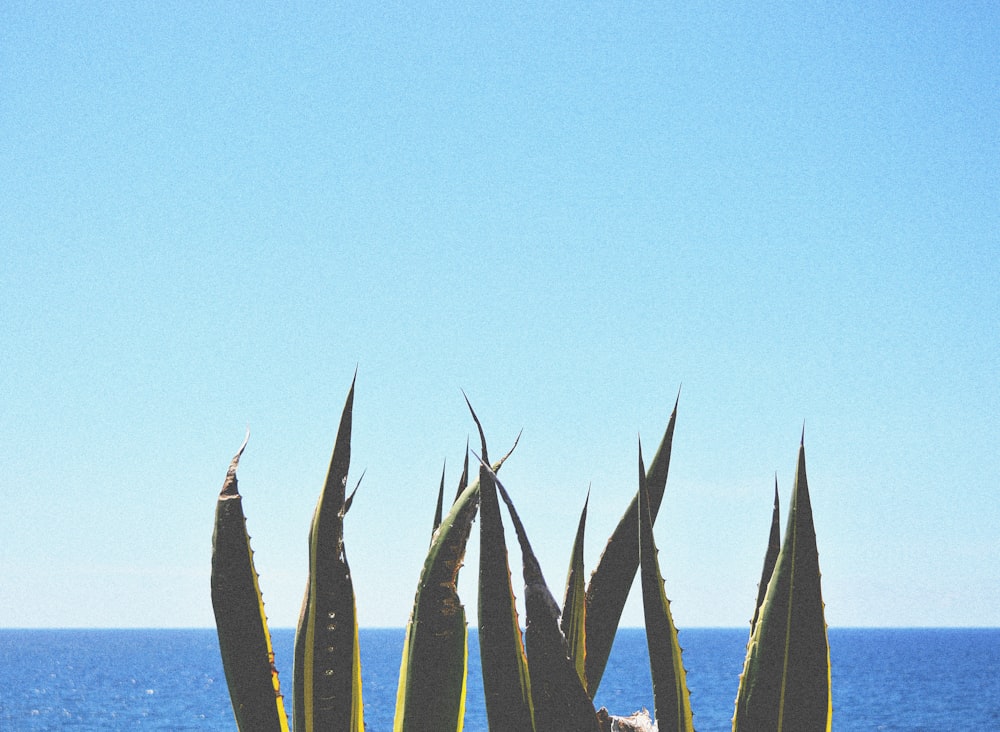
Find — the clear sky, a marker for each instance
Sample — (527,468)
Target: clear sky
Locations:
(210,216)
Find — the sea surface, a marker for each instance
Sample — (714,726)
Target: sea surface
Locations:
(883,679)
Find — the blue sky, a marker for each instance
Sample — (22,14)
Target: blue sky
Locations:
(211,216)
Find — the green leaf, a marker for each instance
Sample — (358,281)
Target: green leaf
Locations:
(505,679)
(327,686)
(463,482)
(670,691)
(559,700)
(611,581)
(439,510)
(785,685)
(574,614)
(244,639)
(770,557)
(433,672)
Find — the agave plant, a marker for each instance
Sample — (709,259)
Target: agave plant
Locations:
(542,678)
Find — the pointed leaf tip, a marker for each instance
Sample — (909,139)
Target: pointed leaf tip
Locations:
(241,624)
(463,480)
(239,453)
(612,579)
(574,613)
(786,674)
(670,693)
(350,498)
(439,509)
(229,486)
(770,557)
(479,426)
(326,687)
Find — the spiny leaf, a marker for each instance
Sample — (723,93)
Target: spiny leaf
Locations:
(574,614)
(611,581)
(559,699)
(785,685)
(506,685)
(770,557)
(244,639)
(350,498)
(463,482)
(440,502)
(670,691)
(433,672)
(327,686)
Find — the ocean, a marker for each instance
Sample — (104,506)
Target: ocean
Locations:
(883,679)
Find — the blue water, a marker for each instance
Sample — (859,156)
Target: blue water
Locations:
(907,679)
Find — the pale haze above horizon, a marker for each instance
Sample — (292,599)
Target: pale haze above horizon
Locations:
(211,217)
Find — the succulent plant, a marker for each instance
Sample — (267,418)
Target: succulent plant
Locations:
(542,678)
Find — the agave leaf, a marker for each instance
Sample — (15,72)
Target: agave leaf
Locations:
(574,614)
(785,685)
(439,510)
(611,581)
(244,639)
(433,672)
(559,699)
(770,557)
(506,683)
(327,686)
(670,691)
(463,482)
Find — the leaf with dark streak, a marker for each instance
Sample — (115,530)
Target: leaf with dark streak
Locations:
(327,670)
